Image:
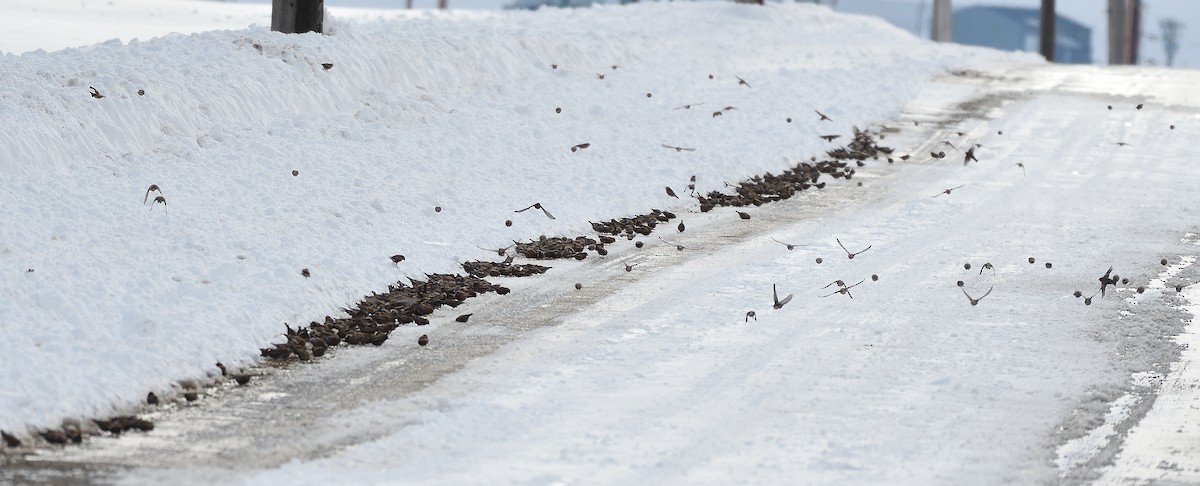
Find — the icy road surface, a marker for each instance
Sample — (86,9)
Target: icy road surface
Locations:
(654,376)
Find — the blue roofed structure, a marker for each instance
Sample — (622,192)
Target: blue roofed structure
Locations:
(1016,29)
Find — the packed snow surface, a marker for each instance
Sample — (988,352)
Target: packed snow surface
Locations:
(427,131)
(107,297)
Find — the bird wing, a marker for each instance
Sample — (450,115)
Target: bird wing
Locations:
(784,301)
(985,294)
(964,291)
(523,210)
(841,245)
(774,293)
(548,215)
(864,250)
(1107,273)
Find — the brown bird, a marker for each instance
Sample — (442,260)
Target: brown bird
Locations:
(789,246)
(844,289)
(716,114)
(688,106)
(327,65)
(671,192)
(906,156)
(95,94)
(975,301)
(1021,165)
(152,188)
(423,340)
(580,146)
(159,200)
(679,149)
(536,206)
(463,318)
(14,442)
(850,254)
(242,379)
(938,155)
(947,191)
(743,215)
(775,295)
(742,81)
(823,117)
(969,156)
(830,138)
(748,316)
(151,399)
(397,258)
(190,396)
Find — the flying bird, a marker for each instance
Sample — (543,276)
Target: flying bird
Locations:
(789,246)
(678,149)
(95,94)
(947,191)
(779,303)
(671,192)
(751,314)
(844,289)
(969,156)
(152,188)
(537,206)
(1121,144)
(938,155)
(742,81)
(823,117)
(850,254)
(688,106)
(1105,281)
(1021,165)
(580,146)
(830,138)
(973,300)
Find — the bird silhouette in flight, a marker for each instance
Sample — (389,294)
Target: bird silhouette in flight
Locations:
(973,300)
(775,295)
(536,206)
(948,191)
(823,116)
(850,254)
(678,149)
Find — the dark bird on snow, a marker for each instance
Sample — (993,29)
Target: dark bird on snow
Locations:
(580,146)
(906,156)
(671,192)
(1139,106)
(242,379)
(679,149)
(680,227)
(844,289)
(688,106)
(938,154)
(947,191)
(789,246)
(830,138)
(13,442)
(1122,144)
(775,295)
(987,266)
(397,258)
(969,156)
(463,318)
(743,215)
(850,254)
(151,399)
(305,273)
(742,81)
(1105,281)
(152,188)
(537,205)
(599,76)
(823,117)
(748,316)
(327,65)
(95,94)
(423,340)
(1021,165)
(838,282)
(973,300)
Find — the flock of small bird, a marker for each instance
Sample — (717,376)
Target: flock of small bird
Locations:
(372,320)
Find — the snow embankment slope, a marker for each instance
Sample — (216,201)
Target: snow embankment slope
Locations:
(106,298)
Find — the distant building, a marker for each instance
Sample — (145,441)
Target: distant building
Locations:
(1016,29)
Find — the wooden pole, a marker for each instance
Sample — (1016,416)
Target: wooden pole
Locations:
(297,16)
(941,30)
(1116,32)
(1046,28)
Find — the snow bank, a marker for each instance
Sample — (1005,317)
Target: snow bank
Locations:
(106,298)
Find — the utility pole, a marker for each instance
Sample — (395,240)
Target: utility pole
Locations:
(297,16)
(941,29)
(1171,29)
(1124,29)
(1046,28)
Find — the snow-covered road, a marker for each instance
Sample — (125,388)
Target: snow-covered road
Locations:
(653,376)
